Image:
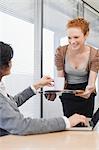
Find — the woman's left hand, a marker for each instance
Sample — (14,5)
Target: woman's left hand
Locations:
(85,94)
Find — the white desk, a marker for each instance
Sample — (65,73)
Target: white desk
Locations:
(66,140)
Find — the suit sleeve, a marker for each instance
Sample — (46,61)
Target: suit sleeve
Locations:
(14,122)
(23,96)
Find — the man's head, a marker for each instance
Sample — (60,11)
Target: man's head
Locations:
(6,54)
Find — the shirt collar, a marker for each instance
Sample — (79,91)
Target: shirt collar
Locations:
(3,89)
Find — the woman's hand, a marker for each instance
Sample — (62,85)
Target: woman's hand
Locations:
(85,94)
(50,97)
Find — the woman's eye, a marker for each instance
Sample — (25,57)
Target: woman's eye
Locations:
(76,37)
(69,38)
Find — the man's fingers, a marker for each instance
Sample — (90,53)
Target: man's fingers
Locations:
(83,119)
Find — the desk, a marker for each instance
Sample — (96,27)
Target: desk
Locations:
(66,140)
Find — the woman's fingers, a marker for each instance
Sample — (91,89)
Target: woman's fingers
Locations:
(50,97)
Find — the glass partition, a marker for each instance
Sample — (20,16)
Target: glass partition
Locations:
(17,29)
(55,16)
(93,17)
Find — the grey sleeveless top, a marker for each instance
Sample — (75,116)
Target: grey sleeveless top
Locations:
(75,76)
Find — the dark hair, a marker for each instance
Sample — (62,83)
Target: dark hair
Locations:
(6,53)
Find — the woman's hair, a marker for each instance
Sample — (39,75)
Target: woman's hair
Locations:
(81,23)
(6,54)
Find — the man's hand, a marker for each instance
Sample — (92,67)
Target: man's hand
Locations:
(44,81)
(76,119)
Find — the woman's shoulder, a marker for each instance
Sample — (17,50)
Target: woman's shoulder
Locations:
(92,48)
(94,59)
(62,49)
(93,51)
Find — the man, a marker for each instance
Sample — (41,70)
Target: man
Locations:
(11,120)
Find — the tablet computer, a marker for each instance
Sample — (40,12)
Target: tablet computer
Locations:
(57,91)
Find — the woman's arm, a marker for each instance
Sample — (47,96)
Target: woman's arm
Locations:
(92,79)
(60,73)
(90,88)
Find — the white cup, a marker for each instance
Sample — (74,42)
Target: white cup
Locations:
(59,83)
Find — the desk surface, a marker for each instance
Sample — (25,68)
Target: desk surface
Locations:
(70,140)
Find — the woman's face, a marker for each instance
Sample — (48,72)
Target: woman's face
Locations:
(76,37)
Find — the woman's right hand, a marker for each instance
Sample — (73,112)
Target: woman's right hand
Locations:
(79,92)
(50,96)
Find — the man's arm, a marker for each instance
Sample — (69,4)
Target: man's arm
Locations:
(29,92)
(14,122)
(23,96)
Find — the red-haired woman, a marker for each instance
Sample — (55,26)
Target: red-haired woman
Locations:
(77,62)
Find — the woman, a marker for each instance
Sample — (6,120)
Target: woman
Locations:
(11,120)
(77,62)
